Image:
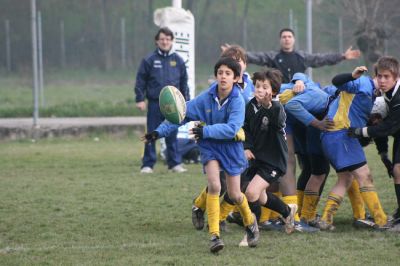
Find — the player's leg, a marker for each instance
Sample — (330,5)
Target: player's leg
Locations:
(240,200)
(212,204)
(335,198)
(369,194)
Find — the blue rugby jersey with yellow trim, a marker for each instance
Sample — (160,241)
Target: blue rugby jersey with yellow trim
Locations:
(353,105)
(222,121)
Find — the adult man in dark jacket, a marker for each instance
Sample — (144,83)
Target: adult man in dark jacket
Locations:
(290,61)
(161,68)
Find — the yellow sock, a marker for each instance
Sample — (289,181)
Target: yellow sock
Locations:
(300,196)
(291,200)
(213,213)
(225,209)
(265,214)
(357,203)
(200,201)
(245,211)
(274,215)
(371,199)
(310,203)
(331,207)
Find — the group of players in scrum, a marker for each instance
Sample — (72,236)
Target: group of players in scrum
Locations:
(324,126)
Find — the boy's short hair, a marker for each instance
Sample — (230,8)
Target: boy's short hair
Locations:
(236,52)
(284,30)
(387,63)
(166,31)
(230,63)
(274,77)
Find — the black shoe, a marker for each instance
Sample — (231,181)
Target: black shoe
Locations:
(253,233)
(197,218)
(396,217)
(235,218)
(216,244)
(363,224)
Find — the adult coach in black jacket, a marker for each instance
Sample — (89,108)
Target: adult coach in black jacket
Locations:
(387,72)
(290,61)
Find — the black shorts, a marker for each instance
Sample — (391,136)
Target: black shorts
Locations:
(267,172)
(396,150)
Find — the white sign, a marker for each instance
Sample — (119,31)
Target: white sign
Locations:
(181,22)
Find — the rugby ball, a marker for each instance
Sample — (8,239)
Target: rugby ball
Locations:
(380,107)
(172,104)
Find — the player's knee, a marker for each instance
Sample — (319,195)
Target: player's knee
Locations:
(251,195)
(214,187)
(235,196)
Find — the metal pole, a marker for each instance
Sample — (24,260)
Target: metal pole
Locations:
(177,3)
(8,46)
(34,64)
(245,33)
(123,45)
(296,33)
(309,31)
(62,43)
(40,50)
(340,35)
(291,18)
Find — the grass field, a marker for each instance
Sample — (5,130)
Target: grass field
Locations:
(82,202)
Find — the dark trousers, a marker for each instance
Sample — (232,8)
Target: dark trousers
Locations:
(154,119)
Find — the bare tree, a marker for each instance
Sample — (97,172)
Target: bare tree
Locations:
(373,20)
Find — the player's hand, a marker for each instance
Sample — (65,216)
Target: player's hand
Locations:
(149,137)
(266,101)
(298,87)
(351,54)
(388,164)
(354,132)
(324,124)
(225,46)
(141,106)
(358,71)
(249,155)
(197,132)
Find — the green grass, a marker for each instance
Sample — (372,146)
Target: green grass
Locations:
(82,202)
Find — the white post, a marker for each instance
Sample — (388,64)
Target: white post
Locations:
(123,45)
(8,45)
(291,18)
(34,64)
(309,31)
(340,35)
(62,44)
(40,50)
(177,3)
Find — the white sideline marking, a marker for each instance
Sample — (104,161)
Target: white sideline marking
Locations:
(8,250)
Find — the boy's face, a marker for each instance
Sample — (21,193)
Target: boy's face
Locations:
(386,80)
(164,42)
(262,88)
(225,78)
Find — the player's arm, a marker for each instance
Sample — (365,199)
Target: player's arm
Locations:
(261,58)
(141,81)
(352,82)
(248,142)
(318,59)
